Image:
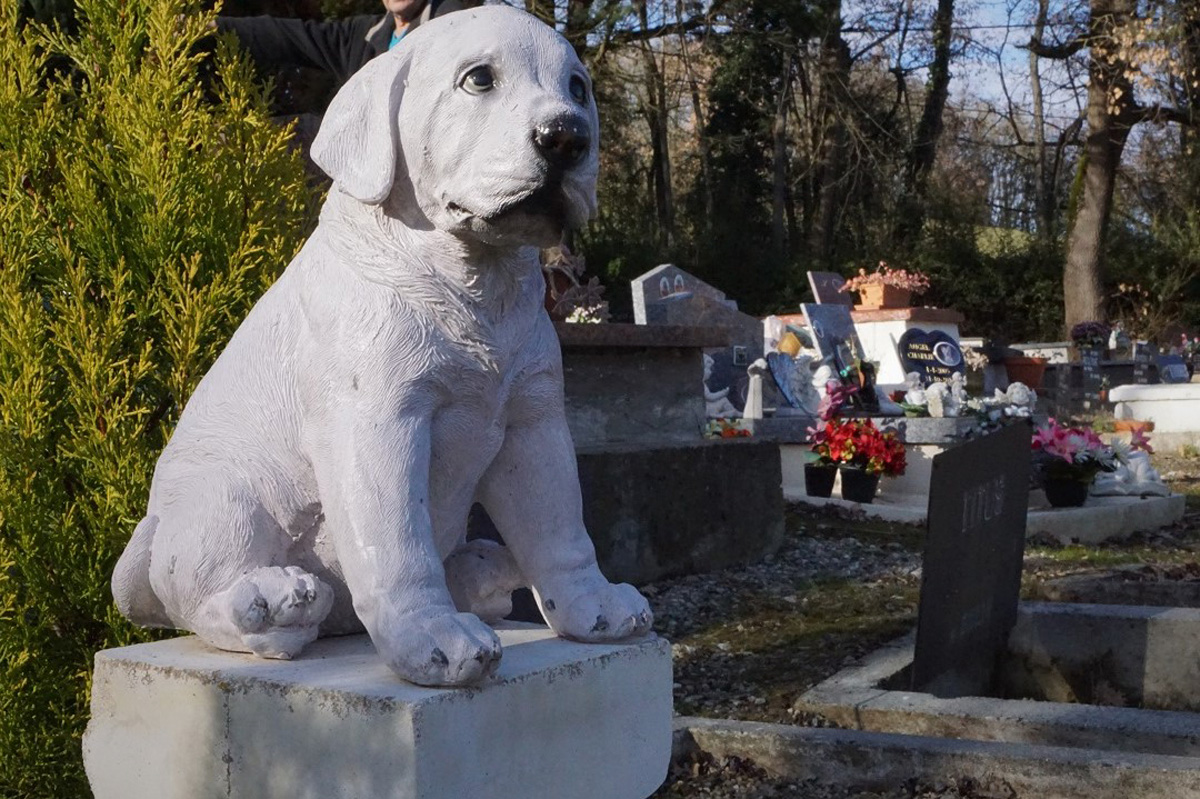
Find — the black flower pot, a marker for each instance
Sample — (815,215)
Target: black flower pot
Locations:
(1062,493)
(818,479)
(858,485)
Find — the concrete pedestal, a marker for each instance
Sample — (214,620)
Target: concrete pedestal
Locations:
(880,331)
(1173,407)
(180,720)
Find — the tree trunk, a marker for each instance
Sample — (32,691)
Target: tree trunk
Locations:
(1109,118)
(656,114)
(576,29)
(699,125)
(779,177)
(1046,182)
(924,148)
(542,9)
(1189,134)
(833,82)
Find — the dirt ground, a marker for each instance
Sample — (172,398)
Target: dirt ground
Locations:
(747,642)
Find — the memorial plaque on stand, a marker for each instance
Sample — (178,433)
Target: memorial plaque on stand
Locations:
(971,577)
(1143,358)
(1089,360)
(837,342)
(933,355)
(827,288)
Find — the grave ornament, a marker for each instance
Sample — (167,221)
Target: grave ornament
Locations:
(320,476)
(1134,478)
(754,395)
(915,395)
(716,403)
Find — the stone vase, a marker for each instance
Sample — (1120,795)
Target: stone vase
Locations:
(1025,370)
(874,296)
(1065,493)
(818,479)
(858,485)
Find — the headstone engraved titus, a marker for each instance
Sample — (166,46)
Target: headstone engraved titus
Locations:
(933,355)
(971,578)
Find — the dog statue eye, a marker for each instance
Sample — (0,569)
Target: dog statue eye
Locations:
(578,89)
(479,80)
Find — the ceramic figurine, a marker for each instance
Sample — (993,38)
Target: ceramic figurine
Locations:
(716,403)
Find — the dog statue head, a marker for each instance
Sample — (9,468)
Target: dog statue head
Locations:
(482,122)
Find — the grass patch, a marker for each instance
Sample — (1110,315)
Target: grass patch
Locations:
(756,666)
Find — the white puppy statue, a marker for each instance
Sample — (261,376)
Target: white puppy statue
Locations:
(401,368)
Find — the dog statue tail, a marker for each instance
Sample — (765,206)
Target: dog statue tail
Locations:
(131,580)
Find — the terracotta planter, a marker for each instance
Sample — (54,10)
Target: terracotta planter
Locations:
(818,479)
(1026,370)
(857,485)
(874,296)
(1066,493)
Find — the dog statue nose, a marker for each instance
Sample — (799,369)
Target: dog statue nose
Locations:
(563,141)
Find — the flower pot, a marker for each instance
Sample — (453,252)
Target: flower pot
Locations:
(1061,493)
(1025,370)
(858,485)
(818,479)
(880,295)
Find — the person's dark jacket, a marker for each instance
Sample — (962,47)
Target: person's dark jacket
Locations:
(338,46)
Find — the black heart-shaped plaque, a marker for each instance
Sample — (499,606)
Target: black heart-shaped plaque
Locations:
(933,355)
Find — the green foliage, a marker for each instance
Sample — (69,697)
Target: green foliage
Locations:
(1008,284)
(142,214)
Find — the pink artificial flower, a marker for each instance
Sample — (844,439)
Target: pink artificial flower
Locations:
(1139,440)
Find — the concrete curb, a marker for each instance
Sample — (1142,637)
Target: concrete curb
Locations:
(858,697)
(873,761)
(1101,519)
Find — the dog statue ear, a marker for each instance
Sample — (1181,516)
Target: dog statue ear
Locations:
(358,140)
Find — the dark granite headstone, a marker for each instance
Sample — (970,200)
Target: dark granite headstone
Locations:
(837,341)
(826,288)
(1063,395)
(1143,359)
(1089,360)
(971,577)
(667,295)
(934,355)
(1172,369)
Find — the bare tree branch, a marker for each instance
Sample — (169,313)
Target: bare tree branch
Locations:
(1058,52)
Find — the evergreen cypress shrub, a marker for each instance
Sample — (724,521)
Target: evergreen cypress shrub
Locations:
(142,212)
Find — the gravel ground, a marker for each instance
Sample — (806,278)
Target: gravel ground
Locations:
(748,641)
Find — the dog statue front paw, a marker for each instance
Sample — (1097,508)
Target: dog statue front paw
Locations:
(597,612)
(439,648)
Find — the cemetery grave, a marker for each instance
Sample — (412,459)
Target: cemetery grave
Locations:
(749,642)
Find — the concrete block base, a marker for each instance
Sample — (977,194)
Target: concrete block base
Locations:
(668,511)
(180,720)
(1144,654)
(1100,519)
(873,761)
